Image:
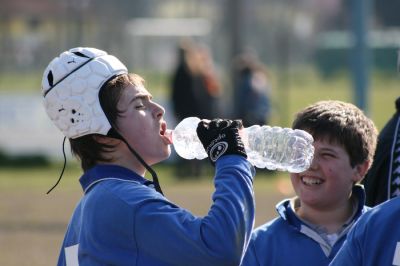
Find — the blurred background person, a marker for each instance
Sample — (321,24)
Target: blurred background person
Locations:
(183,96)
(195,91)
(210,88)
(253,90)
(195,87)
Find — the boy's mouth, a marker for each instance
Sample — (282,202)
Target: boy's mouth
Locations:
(166,133)
(311,181)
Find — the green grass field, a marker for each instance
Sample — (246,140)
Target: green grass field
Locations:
(32,224)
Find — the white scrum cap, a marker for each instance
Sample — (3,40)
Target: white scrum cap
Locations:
(71,85)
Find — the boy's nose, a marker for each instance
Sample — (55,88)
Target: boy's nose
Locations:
(159,110)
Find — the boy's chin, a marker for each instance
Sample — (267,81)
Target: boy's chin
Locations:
(166,154)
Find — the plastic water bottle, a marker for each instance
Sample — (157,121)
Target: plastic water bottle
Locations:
(274,148)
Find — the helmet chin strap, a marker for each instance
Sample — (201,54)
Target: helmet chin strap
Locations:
(115,134)
(63,169)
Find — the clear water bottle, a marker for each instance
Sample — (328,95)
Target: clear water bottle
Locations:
(274,148)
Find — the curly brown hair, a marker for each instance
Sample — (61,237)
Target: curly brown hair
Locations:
(342,123)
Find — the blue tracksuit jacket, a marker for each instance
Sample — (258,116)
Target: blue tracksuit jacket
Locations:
(122,221)
(287,241)
(375,239)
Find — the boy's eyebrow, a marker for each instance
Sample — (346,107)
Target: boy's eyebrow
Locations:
(142,96)
(328,149)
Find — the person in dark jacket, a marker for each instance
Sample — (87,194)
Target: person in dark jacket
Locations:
(195,92)
(383,179)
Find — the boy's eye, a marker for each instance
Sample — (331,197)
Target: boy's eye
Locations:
(139,106)
(327,155)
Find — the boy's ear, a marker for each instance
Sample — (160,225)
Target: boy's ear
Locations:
(361,170)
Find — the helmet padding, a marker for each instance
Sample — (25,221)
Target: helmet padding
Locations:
(71,85)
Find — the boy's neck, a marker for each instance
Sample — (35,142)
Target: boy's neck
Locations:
(126,159)
(121,155)
(332,220)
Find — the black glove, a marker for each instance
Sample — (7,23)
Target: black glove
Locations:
(220,137)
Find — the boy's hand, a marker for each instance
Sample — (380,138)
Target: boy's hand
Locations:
(220,137)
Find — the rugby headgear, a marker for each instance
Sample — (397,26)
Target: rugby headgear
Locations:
(70,86)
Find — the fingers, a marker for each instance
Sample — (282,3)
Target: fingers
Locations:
(219,123)
(237,123)
(202,127)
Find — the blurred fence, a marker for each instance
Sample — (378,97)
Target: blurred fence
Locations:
(25,128)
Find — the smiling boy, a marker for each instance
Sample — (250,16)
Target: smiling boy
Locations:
(312,226)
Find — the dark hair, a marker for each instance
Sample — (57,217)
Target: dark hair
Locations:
(341,123)
(86,148)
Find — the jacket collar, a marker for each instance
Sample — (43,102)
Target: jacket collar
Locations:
(103,172)
(285,210)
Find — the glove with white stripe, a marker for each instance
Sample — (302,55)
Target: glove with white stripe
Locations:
(221,137)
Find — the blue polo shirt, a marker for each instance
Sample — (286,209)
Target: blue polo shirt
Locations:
(288,240)
(122,220)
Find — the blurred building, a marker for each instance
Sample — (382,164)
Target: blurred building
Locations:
(32,31)
(144,33)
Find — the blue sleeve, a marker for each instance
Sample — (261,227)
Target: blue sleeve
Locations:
(219,238)
(250,258)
